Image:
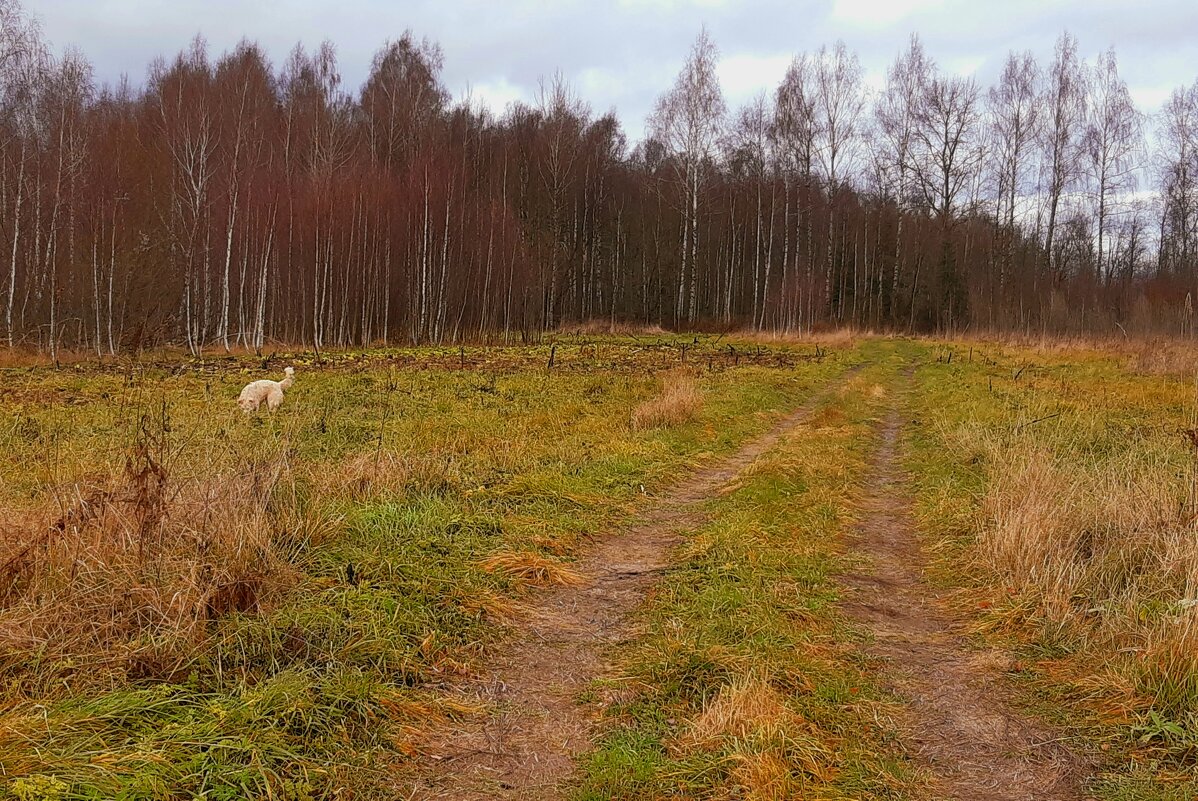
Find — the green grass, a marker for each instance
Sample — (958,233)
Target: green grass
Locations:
(364,513)
(379,593)
(745,626)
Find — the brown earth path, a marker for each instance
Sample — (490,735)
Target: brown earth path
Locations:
(526,750)
(961,725)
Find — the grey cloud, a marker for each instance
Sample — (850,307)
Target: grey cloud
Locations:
(636,45)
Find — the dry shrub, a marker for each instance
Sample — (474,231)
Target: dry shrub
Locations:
(131,566)
(680,401)
(531,568)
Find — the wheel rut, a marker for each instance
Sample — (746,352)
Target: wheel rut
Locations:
(526,750)
(960,722)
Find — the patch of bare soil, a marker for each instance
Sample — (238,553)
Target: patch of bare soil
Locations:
(527,749)
(960,722)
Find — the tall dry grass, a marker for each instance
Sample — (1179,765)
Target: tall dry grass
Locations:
(1102,555)
(678,402)
(1140,353)
(122,572)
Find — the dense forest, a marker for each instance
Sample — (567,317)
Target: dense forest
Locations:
(228,202)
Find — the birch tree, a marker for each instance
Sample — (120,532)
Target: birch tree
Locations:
(1015,117)
(795,130)
(1113,142)
(895,118)
(688,120)
(1177,168)
(839,101)
(1064,104)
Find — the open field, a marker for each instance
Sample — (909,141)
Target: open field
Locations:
(605,567)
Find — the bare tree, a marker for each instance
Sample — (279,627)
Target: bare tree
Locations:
(24,66)
(563,119)
(688,120)
(401,98)
(1177,165)
(895,119)
(1014,114)
(1113,145)
(947,156)
(187,131)
(243,76)
(1064,103)
(750,146)
(69,91)
(839,102)
(795,130)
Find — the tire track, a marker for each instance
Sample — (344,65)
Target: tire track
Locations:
(528,748)
(960,723)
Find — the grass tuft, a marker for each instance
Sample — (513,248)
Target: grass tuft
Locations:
(531,568)
(747,709)
(678,402)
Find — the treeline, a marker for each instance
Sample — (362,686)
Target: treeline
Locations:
(228,202)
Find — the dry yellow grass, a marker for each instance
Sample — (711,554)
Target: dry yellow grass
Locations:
(531,568)
(596,327)
(765,776)
(1091,543)
(365,475)
(771,747)
(487,603)
(427,709)
(130,566)
(678,402)
(1162,357)
(1153,355)
(832,338)
(749,708)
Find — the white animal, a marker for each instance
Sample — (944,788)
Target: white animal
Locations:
(270,391)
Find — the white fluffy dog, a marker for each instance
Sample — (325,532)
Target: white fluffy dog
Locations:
(270,391)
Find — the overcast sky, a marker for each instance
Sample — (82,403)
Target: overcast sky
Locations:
(623,54)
